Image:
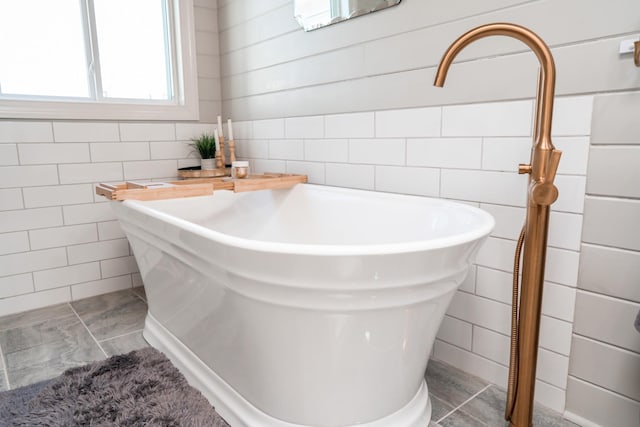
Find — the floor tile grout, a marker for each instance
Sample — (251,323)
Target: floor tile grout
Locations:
(464,403)
(87,328)
(121,335)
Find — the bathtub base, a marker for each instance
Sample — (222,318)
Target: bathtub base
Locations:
(236,410)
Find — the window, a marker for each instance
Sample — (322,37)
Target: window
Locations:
(100,59)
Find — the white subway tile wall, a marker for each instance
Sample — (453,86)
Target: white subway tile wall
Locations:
(286,149)
(352,125)
(24,131)
(408,180)
(82,214)
(25,262)
(11,199)
(269,128)
(494,119)
(110,230)
(118,266)
(63,236)
(56,237)
(377,151)
(304,127)
(607,300)
(8,154)
(37,197)
(467,153)
(37,154)
(315,171)
(348,175)
(119,152)
(555,335)
(30,219)
(457,332)
(54,204)
(65,276)
(85,132)
(413,122)
(147,132)
(27,176)
(14,242)
(325,150)
(88,289)
(16,285)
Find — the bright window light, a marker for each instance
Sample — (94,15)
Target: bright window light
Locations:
(134,49)
(102,59)
(42,48)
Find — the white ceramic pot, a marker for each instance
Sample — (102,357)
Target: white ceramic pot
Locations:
(208,164)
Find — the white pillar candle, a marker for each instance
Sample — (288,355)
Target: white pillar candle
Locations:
(217,137)
(229,130)
(220,132)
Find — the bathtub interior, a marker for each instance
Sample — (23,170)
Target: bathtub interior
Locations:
(318,215)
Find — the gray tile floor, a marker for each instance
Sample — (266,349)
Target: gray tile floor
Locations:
(41,344)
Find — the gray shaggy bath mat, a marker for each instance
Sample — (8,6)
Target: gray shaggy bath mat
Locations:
(141,388)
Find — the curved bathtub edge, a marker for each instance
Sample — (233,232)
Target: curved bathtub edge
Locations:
(236,410)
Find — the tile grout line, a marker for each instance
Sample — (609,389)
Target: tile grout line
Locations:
(121,335)
(464,403)
(85,326)
(4,367)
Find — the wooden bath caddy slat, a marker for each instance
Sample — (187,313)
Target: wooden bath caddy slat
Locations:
(271,181)
(203,173)
(196,187)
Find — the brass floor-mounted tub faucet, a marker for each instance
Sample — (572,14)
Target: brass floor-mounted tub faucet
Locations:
(541,193)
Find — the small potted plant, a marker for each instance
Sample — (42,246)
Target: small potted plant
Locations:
(205,145)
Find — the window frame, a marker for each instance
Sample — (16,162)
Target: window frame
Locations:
(184,106)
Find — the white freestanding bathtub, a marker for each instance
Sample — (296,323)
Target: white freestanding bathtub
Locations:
(313,306)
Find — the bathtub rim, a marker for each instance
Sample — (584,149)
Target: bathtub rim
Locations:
(488,223)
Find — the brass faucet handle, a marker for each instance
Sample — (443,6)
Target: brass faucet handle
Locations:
(524,168)
(544,194)
(552,166)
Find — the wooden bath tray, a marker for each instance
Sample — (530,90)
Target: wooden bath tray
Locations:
(196,187)
(200,173)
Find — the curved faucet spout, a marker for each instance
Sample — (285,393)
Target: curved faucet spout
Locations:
(547,79)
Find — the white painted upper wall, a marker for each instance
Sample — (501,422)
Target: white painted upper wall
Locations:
(385,60)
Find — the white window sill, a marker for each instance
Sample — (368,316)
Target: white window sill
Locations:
(97,111)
